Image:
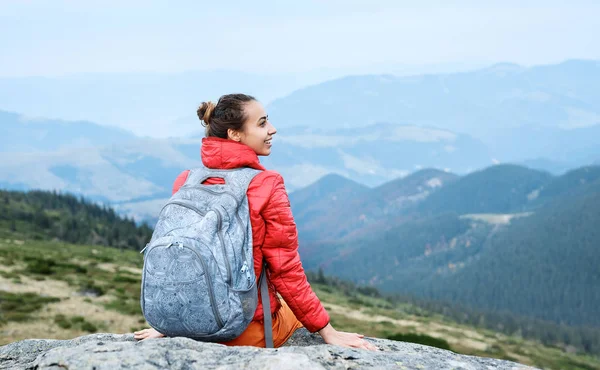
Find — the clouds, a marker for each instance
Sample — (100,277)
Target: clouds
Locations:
(65,37)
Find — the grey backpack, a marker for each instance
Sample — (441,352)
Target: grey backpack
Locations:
(198,278)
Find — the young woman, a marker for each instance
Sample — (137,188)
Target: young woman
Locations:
(237,132)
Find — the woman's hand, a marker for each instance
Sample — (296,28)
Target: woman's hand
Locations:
(340,338)
(147,333)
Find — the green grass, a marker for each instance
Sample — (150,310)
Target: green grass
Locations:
(79,266)
(20,306)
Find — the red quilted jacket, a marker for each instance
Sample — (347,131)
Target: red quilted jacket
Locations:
(273,231)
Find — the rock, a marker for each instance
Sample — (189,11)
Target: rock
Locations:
(303,351)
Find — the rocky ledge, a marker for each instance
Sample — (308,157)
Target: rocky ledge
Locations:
(303,351)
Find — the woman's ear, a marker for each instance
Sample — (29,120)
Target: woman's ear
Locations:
(234,135)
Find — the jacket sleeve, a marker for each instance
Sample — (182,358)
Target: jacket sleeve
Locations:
(280,250)
(180,180)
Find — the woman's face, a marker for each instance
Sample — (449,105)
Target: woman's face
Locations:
(258,131)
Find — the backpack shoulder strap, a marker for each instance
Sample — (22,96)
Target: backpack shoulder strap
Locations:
(266,303)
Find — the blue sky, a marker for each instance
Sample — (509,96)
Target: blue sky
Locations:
(57,37)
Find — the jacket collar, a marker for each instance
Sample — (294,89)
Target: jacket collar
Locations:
(227,154)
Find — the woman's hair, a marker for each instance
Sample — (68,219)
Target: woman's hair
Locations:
(228,113)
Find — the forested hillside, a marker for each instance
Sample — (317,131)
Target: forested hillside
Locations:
(546,265)
(504,239)
(51,215)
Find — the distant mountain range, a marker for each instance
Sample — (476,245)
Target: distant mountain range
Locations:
(20,134)
(503,238)
(101,163)
(117,167)
(519,113)
(372,129)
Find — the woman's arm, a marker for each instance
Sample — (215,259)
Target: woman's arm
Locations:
(280,250)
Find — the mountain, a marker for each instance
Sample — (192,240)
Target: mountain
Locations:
(329,192)
(24,135)
(359,209)
(372,155)
(414,187)
(505,239)
(527,95)
(571,183)
(544,107)
(496,189)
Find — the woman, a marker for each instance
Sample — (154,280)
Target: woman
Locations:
(237,132)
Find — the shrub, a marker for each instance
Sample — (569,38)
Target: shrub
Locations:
(89,327)
(62,321)
(421,339)
(77,319)
(41,266)
(125,279)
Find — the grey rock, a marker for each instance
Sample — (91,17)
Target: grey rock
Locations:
(303,351)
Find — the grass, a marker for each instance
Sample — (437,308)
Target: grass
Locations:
(81,267)
(20,306)
(108,281)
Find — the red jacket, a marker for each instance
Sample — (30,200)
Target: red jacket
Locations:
(273,231)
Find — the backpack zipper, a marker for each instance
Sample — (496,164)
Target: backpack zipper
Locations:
(186,205)
(246,270)
(220,235)
(158,245)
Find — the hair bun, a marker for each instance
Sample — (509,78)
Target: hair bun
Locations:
(205,112)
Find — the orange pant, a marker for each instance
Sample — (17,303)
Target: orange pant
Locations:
(284,325)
